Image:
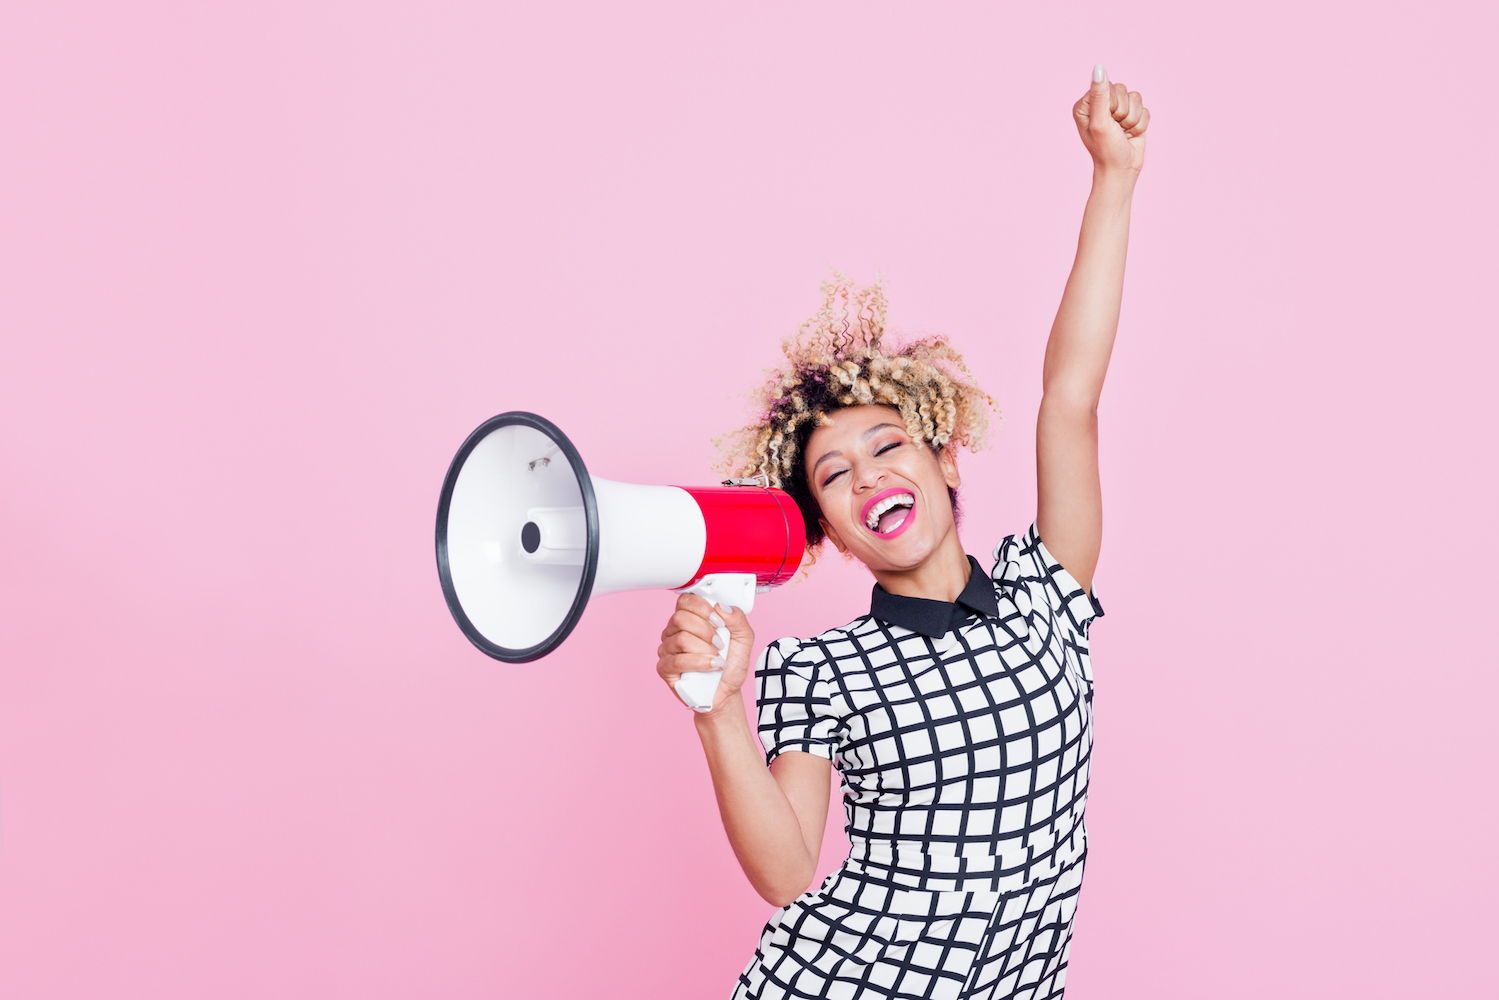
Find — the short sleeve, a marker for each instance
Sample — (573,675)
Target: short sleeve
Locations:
(1046,579)
(795,710)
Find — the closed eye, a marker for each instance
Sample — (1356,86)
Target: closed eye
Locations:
(894,444)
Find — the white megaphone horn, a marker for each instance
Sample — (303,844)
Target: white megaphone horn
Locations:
(525,536)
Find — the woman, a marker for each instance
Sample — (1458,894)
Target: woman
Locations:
(959,709)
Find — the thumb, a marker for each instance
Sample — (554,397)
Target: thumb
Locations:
(736,620)
(1100,96)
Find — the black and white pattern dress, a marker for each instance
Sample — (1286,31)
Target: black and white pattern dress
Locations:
(963,732)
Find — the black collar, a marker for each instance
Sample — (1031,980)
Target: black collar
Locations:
(936,618)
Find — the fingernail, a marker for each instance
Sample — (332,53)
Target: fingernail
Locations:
(720,642)
(717,621)
(718,661)
(1098,72)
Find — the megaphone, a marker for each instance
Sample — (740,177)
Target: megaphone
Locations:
(525,537)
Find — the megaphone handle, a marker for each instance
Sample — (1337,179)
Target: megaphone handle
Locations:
(698,688)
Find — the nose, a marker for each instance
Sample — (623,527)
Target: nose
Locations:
(870,478)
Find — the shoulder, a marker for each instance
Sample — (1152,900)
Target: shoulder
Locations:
(1025,567)
(821,652)
(844,646)
(1022,558)
(1018,548)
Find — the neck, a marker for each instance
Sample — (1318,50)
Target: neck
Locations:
(941,577)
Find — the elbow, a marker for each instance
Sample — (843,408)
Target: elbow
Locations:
(782,895)
(781,899)
(786,895)
(1075,405)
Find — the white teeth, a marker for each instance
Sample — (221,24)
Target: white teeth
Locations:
(893,500)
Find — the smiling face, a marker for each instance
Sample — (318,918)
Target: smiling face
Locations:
(864,462)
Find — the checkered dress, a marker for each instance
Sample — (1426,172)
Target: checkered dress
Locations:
(963,732)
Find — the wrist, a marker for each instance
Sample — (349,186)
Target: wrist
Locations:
(1120,179)
(728,715)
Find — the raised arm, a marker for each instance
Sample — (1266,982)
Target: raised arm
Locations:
(1069,502)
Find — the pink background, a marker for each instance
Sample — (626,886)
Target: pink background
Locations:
(266,265)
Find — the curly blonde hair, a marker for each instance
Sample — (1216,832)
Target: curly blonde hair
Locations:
(831,367)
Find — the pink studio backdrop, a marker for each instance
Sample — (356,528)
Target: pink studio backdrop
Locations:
(266,265)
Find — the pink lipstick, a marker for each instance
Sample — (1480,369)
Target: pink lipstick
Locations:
(882,495)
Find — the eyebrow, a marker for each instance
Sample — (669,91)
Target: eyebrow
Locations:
(863,436)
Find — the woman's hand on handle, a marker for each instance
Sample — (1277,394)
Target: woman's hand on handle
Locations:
(687,643)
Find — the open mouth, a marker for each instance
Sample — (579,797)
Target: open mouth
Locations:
(891,514)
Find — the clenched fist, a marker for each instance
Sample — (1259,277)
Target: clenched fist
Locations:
(1111,119)
(689,643)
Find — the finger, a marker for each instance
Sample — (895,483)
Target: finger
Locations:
(1098,97)
(1119,106)
(1080,107)
(695,603)
(736,620)
(1131,111)
(691,624)
(716,615)
(1142,124)
(693,615)
(685,662)
(684,642)
(692,633)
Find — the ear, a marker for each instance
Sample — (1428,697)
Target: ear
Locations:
(832,534)
(949,464)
